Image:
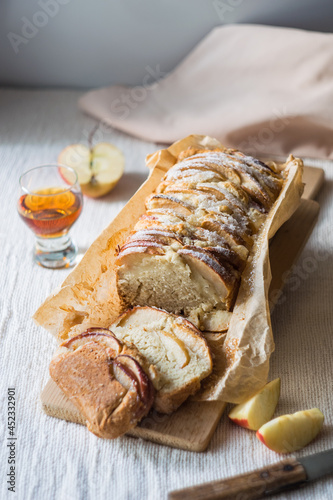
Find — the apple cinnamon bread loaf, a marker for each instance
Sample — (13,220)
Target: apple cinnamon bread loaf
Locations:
(186,254)
(200,249)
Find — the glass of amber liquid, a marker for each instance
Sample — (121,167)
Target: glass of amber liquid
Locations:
(50,202)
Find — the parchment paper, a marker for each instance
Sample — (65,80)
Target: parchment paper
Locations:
(88,297)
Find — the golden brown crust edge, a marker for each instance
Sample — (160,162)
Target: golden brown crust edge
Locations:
(171,401)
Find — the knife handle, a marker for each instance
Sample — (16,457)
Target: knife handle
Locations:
(255,484)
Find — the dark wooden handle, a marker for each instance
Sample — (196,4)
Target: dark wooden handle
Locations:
(247,486)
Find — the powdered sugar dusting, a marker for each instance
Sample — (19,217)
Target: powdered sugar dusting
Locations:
(208,208)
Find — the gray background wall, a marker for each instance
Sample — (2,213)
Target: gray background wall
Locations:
(82,43)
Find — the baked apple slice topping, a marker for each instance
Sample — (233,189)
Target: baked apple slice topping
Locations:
(213,161)
(145,387)
(201,171)
(223,278)
(123,375)
(238,171)
(230,235)
(169,202)
(102,336)
(178,348)
(212,190)
(141,243)
(162,237)
(226,254)
(143,248)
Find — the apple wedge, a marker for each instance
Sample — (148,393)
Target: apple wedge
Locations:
(98,168)
(292,432)
(259,409)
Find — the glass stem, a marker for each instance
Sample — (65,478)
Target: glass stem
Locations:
(53,244)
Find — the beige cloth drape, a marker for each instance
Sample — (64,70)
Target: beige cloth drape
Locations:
(262,89)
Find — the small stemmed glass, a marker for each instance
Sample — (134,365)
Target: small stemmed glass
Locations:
(50,202)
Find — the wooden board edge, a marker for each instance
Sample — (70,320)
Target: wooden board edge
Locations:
(312,189)
(198,445)
(55,404)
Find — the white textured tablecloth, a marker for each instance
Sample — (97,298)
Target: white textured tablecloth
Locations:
(59,460)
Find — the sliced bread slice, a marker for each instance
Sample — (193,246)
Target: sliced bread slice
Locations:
(173,345)
(109,381)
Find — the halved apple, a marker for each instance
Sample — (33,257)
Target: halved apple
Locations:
(98,168)
(259,409)
(292,432)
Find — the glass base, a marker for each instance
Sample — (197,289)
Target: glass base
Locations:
(55,253)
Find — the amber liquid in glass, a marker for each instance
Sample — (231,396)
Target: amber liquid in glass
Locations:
(50,216)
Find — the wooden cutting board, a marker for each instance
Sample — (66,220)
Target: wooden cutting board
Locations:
(193,424)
